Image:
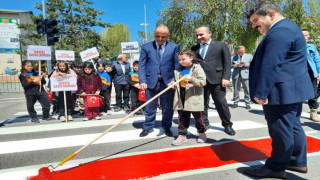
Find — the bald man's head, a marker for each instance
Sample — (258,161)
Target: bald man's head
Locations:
(161,34)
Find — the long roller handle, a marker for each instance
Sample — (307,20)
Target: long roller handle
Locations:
(112,127)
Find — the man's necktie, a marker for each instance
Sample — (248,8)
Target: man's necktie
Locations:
(204,47)
(160,52)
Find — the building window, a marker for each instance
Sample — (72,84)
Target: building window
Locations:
(10,59)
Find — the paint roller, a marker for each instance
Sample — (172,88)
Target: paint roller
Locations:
(45,173)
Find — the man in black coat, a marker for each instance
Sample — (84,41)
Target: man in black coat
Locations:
(215,59)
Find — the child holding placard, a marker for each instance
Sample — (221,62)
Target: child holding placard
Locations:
(30,81)
(62,72)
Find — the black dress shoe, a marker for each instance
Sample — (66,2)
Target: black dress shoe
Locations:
(117,109)
(168,132)
(48,119)
(145,132)
(235,105)
(140,112)
(35,120)
(229,130)
(298,169)
(264,172)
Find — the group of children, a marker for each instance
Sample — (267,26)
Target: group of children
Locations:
(90,80)
(188,97)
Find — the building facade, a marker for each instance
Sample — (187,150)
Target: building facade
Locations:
(10,59)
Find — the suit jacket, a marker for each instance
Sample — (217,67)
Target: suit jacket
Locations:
(278,71)
(217,62)
(150,66)
(119,77)
(244,70)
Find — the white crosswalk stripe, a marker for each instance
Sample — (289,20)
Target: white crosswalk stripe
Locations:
(119,136)
(73,125)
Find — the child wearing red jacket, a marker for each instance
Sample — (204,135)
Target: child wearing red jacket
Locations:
(89,83)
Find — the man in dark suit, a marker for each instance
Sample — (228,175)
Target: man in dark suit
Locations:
(120,73)
(215,59)
(158,60)
(279,81)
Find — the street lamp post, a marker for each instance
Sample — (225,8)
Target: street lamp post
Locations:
(145,24)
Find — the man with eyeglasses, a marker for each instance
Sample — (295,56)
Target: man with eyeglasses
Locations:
(158,60)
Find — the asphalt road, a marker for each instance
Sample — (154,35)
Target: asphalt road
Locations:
(25,147)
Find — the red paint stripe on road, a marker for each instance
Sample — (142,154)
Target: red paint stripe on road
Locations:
(154,164)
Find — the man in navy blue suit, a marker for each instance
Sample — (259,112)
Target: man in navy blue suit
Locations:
(279,81)
(158,60)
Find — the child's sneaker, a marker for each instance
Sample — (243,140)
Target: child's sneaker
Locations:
(70,118)
(85,119)
(202,138)
(62,118)
(97,118)
(103,114)
(181,139)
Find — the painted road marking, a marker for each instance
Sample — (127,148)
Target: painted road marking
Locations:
(27,171)
(118,136)
(155,164)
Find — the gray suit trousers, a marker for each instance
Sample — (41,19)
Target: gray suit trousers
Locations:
(236,89)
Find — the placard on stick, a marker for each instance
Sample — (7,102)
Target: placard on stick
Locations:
(64,55)
(64,84)
(39,52)
(89,54)
(129,47)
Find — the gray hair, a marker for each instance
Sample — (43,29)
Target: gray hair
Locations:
(121,56)
(263,9)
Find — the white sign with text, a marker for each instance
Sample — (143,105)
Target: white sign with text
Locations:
(89,54)
(39,52)
(63,84)
(129,47)
(64,55)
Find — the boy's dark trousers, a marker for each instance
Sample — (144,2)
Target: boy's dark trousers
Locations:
(106,104)
(184,122)
(134,95)
(61,103)
(43,99)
